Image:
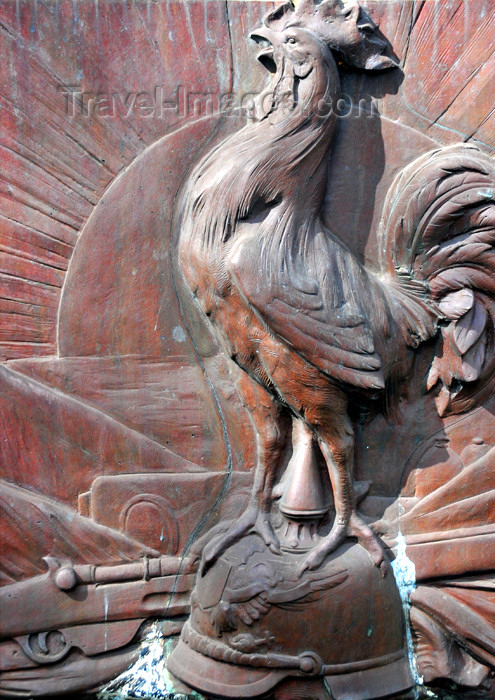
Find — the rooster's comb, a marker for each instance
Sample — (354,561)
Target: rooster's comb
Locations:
(344,27)
(299,13)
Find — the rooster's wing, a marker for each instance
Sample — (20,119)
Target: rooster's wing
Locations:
(313,301)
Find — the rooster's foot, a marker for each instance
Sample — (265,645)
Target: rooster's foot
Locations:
(355,528)
(367,538)
(330,543)
(253,519)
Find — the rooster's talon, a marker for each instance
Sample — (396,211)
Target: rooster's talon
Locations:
(367,538)
(264,528)
(251,520)
(318,555)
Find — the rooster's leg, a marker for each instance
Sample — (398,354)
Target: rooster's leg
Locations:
(270,429)
(337,446)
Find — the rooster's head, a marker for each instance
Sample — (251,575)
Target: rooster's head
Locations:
(295,32)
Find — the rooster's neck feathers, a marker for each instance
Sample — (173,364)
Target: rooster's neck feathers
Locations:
(277,159)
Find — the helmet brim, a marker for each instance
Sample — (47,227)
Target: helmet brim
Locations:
(219,678)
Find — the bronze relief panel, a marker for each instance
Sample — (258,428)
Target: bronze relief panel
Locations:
(247,348)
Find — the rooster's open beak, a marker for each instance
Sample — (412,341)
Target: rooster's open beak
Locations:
(262,37)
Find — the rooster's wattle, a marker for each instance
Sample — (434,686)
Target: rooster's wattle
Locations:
(307,323)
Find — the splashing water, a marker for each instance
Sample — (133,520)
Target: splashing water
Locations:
(148,677)
(405,576)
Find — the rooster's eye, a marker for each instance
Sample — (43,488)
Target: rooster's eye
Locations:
(291,40)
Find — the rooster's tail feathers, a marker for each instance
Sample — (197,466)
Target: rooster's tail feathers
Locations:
(437,243)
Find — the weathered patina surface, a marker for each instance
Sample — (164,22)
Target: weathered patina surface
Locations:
(292,328)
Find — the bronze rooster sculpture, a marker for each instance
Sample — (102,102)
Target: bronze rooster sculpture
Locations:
(309,325)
